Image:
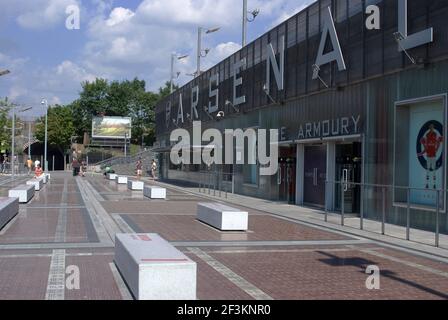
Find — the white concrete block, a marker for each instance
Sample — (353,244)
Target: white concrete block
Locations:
(122,180)
(223,217)
(24,193)
(153,192)
(112,176)
(9,208)
(37,183)
(136,185)
(153,269)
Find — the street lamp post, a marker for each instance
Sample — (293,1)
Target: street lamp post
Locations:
(246,19)
(174,57)
(45,103)
(29,140)
(13,143)
(206,51)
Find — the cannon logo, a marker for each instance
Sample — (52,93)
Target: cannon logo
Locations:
(430,150)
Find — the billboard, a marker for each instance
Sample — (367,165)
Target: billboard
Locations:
(426,154)
(112,128)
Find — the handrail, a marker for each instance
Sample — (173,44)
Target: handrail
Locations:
(121,160)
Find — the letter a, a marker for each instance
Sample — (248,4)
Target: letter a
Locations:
(336,54)
(373,20)
(373,281)
(73,21)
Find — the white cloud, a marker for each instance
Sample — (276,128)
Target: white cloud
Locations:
(123,43)
(42,14)
(119,15)
(69,70)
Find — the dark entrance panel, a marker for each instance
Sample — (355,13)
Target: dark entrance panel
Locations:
(349,172)
(287,174)
(315,175)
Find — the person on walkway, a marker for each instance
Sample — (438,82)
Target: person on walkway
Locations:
(76,167)
(153,169)
(5,164)
(139,168)
(29,164)
(38,172)
(83,169)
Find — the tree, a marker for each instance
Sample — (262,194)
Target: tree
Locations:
(5,124)
(92,102)
(119,99)
(166,90)
(60,128)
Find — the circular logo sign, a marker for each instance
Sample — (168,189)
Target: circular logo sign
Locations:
(429,143)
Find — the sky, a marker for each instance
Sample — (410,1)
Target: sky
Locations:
(117,40)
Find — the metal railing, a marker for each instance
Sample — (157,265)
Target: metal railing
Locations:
(122,160)
(6,168)
(383,197)
(216,182)
(374,200)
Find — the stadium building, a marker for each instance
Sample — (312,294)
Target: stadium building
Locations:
(358,92)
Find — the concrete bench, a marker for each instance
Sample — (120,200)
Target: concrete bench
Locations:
(122,180)
(153,192)
(9,208)
(37,183)
(223,217)
(136,185)
(153,269)
(24,193)
(112,176)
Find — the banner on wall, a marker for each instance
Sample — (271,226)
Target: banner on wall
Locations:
(426,158)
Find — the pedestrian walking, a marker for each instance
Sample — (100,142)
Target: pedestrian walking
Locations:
(29,164)
(153,169)
(76,167)
(139,168)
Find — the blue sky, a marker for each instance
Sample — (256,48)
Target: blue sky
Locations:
(117,40)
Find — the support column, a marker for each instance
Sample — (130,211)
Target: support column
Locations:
(331,174)
(300,175)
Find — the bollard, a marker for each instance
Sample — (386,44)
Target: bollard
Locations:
(437,218)
(408,217)
(383,224)
(342,205)
(362,207)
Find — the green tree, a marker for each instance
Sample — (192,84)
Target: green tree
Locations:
(92,102)
(120,99)
(60,128)
(5,124)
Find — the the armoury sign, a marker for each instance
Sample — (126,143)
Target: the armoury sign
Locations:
(344,126)
(405,41)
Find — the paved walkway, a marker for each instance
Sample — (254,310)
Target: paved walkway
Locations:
(71,224)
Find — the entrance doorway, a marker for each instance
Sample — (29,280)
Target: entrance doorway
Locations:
(349,173)
(315,175)
(287,174)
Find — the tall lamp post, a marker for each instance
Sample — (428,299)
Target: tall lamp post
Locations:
(174,57)
(202,53)
(13,143)
(246,19)
(45,103)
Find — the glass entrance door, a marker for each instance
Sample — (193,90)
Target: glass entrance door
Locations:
(349,172)
(315,175)
(287,174)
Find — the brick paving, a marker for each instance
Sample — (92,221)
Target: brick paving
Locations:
(277,258)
